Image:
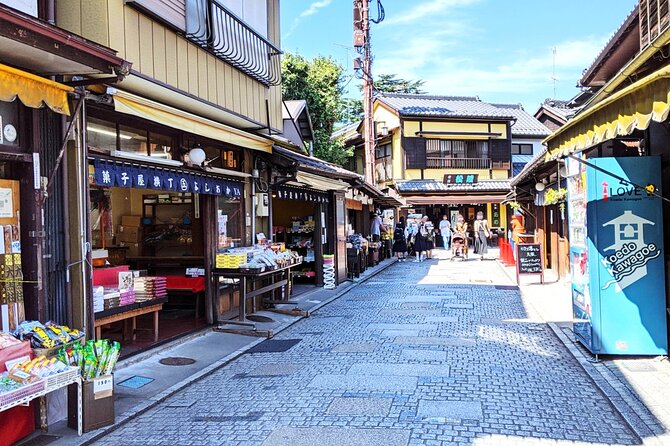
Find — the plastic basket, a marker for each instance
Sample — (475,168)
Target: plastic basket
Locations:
(62,379)
(26,393)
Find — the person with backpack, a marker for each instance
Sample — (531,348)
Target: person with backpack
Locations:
(430,237)
(400,241)
(421,241)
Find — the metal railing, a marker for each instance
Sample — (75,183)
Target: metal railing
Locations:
(214,28)
(441,162)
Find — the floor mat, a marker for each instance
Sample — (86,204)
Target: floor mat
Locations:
(274,346)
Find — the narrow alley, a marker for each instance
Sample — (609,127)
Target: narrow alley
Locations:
(432,353)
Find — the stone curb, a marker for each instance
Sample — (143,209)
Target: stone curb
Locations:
(91,437)
(617,393)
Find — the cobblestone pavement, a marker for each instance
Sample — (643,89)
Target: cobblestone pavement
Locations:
(432,353)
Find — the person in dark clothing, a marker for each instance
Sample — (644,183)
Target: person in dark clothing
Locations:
(421,241)
(400,241)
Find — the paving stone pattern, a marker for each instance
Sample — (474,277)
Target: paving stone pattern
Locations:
(472,374)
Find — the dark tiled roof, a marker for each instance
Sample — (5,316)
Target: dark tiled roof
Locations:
(433,186)
(526,124)
(465,107)
(529,168)
(316,164)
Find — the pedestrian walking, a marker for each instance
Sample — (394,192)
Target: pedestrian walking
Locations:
(445,232)
(376,226)
(421,244)
(430,237)
(482,234)
(400,240)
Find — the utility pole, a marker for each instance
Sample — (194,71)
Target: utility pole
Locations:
(362,45)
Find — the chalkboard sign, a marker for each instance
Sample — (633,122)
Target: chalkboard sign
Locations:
(529,259)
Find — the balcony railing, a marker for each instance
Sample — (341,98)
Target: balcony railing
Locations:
(217,30)
(441,162)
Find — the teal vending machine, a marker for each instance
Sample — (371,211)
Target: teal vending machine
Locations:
(616,255)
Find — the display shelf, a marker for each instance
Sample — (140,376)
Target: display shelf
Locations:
(22,395)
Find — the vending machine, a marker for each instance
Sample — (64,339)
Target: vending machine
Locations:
(616,255)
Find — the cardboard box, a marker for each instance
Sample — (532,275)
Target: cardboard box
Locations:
(134,249)
(131,234)
(131,220)
(97,403)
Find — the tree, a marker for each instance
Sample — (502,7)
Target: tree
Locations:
(385,83)
(319,82)
(389,83)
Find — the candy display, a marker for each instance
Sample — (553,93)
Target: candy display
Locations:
(94,359)
(47,335)
(259,257)
(40,367)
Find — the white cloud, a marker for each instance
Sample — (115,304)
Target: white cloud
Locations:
(439,59)
(312,9)
(427,9)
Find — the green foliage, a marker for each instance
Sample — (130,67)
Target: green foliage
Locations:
(389,83)
(554,196)
(385,83)
(514,205)
(319,82)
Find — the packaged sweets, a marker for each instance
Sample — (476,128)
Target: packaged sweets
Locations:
(47,335)
(94,359)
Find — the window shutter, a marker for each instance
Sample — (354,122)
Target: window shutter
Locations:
(171,11)
(415,152)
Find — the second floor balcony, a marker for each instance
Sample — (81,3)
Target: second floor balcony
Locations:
(446,162)
(218,30)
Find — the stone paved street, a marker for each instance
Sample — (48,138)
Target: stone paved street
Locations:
(436,353)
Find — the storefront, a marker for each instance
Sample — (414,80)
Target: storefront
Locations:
(158,215)
(616,159)
(435,199)
(38,149)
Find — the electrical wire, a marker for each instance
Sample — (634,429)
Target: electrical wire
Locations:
(381,14)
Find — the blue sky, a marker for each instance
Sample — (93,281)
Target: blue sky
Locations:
(499,50)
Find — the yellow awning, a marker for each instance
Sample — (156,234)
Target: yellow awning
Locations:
(630,109)
(33,91)
(173,117)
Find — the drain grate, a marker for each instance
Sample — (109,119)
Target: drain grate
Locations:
(177,360)
(135,382)
(274,346)
(251,416)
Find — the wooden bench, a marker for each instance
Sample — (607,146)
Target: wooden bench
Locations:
(130,314)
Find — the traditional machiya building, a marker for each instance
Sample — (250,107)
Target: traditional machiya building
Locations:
(179,154)
(446,155)
(612,158)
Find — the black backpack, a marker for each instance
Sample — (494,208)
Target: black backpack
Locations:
(398,233)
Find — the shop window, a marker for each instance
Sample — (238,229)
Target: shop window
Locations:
(222,158)
(160,146)
(230,223)
(101,134)
(9,123)
(132,140)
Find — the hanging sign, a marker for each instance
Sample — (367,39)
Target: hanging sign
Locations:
(289,193)
(113,174)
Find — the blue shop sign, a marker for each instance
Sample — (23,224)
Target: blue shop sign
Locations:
(114,174)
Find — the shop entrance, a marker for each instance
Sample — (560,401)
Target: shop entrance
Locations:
(299,222)
(148,274)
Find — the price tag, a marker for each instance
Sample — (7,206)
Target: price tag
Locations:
(103,387)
